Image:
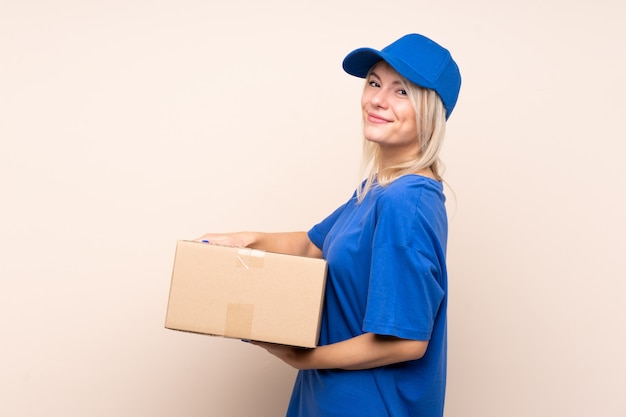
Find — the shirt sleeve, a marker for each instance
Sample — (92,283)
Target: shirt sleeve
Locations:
(406,285)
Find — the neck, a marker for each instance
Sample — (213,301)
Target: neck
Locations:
(385,162)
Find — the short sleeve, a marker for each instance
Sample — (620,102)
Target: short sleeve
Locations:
(407,273)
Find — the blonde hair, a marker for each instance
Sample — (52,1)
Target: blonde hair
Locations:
(430,114)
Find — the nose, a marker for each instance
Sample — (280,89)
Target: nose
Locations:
(379,99)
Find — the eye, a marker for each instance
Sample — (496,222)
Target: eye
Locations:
(373,83)
(403,92)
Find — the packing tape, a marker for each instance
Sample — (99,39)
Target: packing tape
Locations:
(250,258)
(239,320)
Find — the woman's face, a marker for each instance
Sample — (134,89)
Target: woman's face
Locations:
(388,112)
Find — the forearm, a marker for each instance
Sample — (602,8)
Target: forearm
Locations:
(362,352)
(367,351)
(291,243)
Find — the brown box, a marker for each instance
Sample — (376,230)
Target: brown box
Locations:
(246,294)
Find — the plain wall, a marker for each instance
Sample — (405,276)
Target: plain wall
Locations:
(127,125)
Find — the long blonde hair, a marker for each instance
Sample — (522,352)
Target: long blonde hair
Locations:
(431,128)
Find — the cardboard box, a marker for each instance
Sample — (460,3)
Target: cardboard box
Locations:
(246,294)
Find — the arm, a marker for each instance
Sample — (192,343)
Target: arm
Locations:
(362,352)
(290,243)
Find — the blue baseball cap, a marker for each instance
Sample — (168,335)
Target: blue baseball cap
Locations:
(419,60)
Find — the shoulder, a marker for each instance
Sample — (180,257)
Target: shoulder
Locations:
(412,190)
(413,203)
(411,212)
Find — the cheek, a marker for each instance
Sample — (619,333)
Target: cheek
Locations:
(408,120)
(407,110)
(408,114)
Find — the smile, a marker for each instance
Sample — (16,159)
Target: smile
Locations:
(374,118)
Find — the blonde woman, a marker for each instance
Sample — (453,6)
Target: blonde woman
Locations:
(382,349)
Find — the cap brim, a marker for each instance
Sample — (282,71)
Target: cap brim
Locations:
(360,61)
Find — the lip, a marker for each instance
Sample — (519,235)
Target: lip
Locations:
(375,118)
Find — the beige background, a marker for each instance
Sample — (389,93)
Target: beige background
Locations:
(127,125)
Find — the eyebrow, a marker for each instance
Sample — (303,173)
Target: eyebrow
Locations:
(398,81)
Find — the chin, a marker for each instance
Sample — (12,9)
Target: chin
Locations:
(373,136)
(374,139)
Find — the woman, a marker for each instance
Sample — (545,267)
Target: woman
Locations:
(383,335)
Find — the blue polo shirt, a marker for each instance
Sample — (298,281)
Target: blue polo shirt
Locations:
(386,275)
